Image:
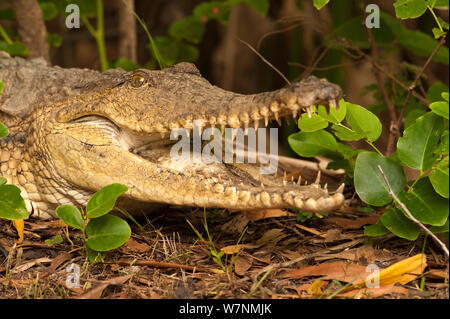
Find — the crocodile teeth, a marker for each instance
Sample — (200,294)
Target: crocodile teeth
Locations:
(318,177)
(309,110)
(299,179)
(340,188)
(295,114)
(255,125)
(266,120)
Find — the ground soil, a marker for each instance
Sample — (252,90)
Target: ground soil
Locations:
(167,259)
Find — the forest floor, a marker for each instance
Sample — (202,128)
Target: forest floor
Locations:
(266,254)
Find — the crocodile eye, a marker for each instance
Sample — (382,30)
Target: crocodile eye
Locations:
(137,80)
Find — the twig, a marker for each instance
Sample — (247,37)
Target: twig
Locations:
(405,209)
(413,85)
(267,62)
(379,67)
(157,264)
(307,72)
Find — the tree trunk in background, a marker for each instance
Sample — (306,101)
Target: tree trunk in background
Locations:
(127,31)
(32,30)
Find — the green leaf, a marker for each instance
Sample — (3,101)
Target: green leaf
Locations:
(424,204)
(416,147)
(439,229)
(440,108)
(12,205)
(174,51)
(334,115)
(437,3)
(3,181)
(444,144)
(311,124)
(363,121)
(435,91)
(212,10)
(394,220)
(71,216)
(49,10)
(445,96)
(418,42)
(104,200)
(369,183)
(7,14)
(439,178)
(96,256)
(190,29)
(346,134)
(107,232)
(319,4)
(1,87)
(15,48)
(3,130)
(407,9)
(54,39)
(57,239)
(352,31)
(310,144)
(412,116)
(438,33)
(262,6)
(126,64)
(375,230)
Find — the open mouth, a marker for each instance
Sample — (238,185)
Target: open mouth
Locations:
(146,151)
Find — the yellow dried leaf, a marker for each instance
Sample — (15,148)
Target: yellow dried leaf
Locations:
(234,249)
(19,225)
(402,272)
(316,287)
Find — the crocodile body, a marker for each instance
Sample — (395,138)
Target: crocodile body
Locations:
(74,131)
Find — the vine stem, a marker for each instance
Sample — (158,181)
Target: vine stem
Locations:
(98,34)
(411,217)
(5,35)
(435,17)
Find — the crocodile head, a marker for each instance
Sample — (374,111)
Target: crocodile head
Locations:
(118,131)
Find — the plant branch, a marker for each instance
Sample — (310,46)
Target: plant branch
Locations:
(411,217)
(380,68)
(265,61)
(5,35)
(413,85)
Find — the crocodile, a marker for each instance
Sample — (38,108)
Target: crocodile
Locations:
(74,131)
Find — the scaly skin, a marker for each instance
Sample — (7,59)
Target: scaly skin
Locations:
(75,131)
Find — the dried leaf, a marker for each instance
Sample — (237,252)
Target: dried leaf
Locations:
(242,265)
(316,287)
(437,274)
(254,215)
(96,292)
(236,225)
(272,236)
(19,225)
(374,292)
(59,260)
(133,246)
(30,264)
(339,270)
(402,272)
(234,249)
(311,230)
(347,223)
